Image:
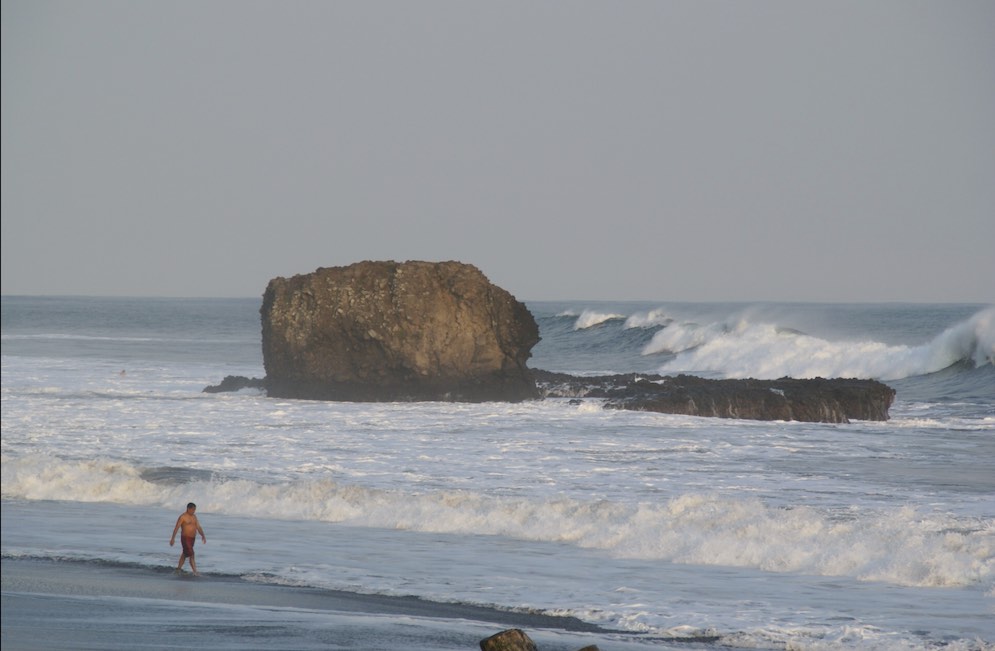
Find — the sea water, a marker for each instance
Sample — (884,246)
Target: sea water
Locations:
(785,535)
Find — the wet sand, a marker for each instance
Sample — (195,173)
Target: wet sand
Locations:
(75,605)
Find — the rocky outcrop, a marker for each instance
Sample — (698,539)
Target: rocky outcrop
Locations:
(812,400)
(818,400)
(386,331)
(389,331)
(515,639)
(236,383)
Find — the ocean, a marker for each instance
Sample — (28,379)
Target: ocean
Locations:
(671,532)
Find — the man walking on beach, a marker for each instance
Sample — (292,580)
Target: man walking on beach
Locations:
(188,536)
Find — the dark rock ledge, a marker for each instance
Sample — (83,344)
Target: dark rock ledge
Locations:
(815,400)
(812,400)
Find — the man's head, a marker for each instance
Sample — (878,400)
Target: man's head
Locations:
(191,507)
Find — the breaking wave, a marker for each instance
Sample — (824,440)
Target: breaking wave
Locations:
(744,348)
(901,545)
(591,318)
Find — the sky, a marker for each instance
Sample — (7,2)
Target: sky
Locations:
(683,150)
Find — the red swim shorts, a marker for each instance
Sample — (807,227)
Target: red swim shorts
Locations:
(187,543)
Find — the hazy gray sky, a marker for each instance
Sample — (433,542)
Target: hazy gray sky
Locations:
(660,150)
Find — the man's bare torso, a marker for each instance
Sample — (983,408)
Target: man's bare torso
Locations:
(188,525)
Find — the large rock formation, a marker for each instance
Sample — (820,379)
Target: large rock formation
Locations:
(383,331)
(388,331)
(812,400)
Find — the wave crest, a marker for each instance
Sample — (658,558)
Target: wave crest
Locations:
(744,348)
(591,318)
(652,319)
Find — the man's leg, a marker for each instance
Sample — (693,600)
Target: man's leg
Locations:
(187,545)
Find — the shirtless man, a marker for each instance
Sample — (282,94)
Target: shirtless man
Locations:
(191,527)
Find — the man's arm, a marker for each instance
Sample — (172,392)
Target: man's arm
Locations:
(172,539)
(201,530)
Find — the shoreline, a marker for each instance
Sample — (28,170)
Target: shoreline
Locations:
(53,604)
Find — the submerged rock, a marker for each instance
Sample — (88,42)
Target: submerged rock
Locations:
(386,331)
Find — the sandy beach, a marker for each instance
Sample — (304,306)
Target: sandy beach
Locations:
(77,605)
